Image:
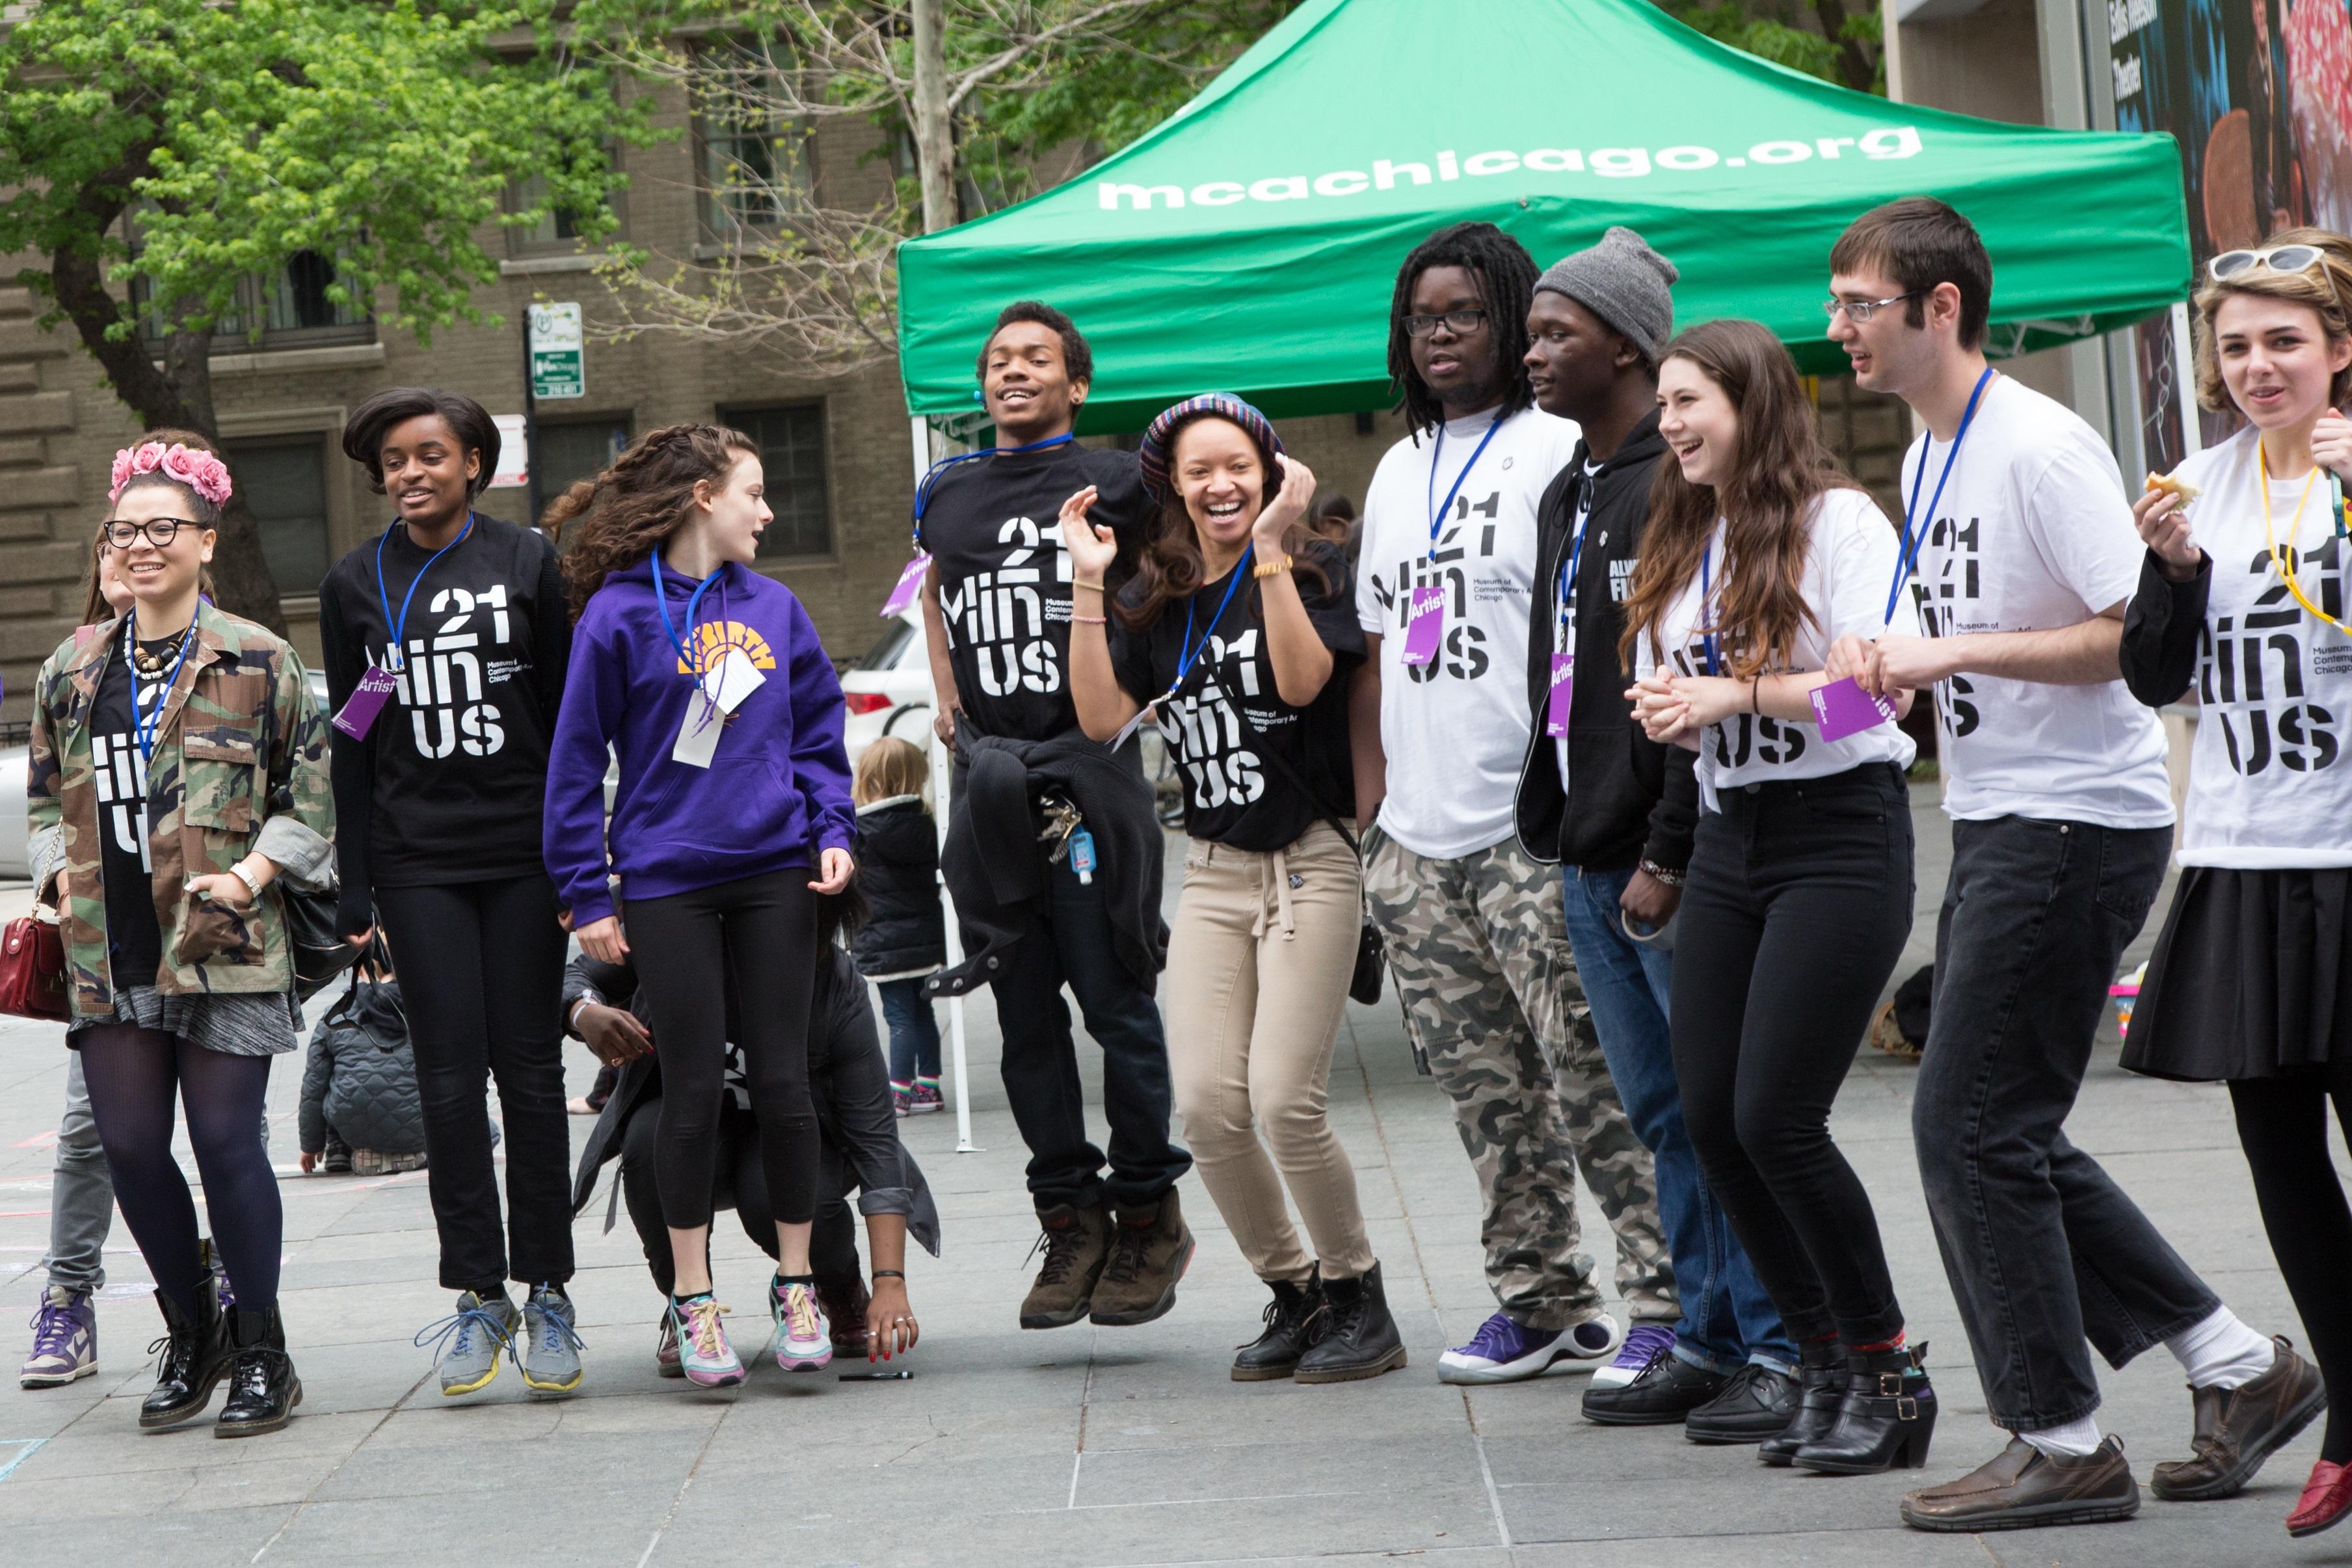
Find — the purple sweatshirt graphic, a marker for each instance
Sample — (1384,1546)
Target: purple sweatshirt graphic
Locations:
(776,794)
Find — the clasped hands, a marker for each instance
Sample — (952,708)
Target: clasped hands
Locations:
(1674,707)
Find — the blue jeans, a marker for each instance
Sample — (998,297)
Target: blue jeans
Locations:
(1728,1320)
(914,1030)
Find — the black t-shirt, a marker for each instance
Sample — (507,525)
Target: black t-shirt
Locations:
(450,781)
(994,528)
(135,941)
(1232,793)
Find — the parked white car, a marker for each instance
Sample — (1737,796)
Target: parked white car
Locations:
(888,691)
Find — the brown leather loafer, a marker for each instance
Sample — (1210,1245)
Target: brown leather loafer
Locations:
(2238,1429)
(2021,1487)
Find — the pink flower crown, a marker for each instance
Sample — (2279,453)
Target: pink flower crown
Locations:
(202,472)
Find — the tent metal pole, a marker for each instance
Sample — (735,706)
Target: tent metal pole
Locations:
(2184,360)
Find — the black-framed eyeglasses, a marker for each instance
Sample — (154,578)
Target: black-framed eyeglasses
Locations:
(160,532)
(1863,310)
(1461,323)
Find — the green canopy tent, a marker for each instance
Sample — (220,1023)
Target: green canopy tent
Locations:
(1249,243)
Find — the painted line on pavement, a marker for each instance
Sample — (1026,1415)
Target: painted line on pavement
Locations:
(26,1449)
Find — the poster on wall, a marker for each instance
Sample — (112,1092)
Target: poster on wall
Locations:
(2259,95)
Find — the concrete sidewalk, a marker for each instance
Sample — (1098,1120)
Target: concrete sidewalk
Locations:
(1077,1447)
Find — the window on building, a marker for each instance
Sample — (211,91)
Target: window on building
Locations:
(577,449)
(756,160)
(792,452)
(292,306)
(285,482)
(557,232)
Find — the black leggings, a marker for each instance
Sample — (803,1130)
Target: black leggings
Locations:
(761,932)
(1798,905)
(833,1245)
(2283,1124)
(134,1075)
(481,978)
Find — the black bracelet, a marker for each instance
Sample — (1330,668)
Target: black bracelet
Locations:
(889,1274)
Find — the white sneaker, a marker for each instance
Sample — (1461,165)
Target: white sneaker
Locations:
(803,1343)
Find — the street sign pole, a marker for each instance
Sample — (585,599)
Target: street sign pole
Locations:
(529,427)
(555,356)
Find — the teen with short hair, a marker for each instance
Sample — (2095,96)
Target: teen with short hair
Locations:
(2241,599)
(1439,727)
(2062,819)
(1758,554)
(997,604)
(445,643)
(705,681)
(1617,818)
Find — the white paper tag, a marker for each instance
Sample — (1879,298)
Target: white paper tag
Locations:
(1131,725)
(737,678)
(697,736)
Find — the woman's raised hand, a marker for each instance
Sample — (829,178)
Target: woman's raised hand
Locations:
(1288,506)
(1092,549)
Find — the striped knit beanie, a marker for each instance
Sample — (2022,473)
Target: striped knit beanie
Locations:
(1160,440)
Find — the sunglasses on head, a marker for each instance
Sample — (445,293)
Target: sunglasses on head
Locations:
(2279,258)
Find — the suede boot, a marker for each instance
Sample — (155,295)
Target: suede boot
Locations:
(1150,1251)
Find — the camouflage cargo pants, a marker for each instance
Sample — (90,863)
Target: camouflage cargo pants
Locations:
(1480,954)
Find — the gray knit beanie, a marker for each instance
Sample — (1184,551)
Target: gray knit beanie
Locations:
(1624,282)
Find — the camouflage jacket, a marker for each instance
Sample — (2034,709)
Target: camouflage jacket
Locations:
(240,742)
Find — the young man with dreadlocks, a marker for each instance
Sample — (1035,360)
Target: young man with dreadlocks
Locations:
(1474,924)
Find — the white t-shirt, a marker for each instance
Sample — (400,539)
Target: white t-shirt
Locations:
(1455,729)
(2033,533)
(2269,783)
(1849,566)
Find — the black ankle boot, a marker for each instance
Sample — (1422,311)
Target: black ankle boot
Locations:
(1292,1321)
(1887,1416)
(1359,1339)
(1821,1389)
(194,1353)
(262,1388)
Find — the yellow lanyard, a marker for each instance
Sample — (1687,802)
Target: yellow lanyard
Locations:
(2270,536)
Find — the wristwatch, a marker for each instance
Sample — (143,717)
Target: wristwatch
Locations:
(1271,567)
(252,882)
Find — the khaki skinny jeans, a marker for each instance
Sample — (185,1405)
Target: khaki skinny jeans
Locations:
(1258,964)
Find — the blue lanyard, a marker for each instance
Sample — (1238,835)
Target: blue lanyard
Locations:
(1437,511)
(1706,606)
(930,480)
(1568,574)
(145,726)
(1915,528)
(1184,658)
(399,628)
(693,661)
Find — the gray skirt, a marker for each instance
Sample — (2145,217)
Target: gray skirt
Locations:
(235,1024)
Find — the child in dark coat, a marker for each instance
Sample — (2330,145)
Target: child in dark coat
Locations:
(906,937)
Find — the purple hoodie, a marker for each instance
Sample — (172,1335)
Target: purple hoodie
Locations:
(776,793)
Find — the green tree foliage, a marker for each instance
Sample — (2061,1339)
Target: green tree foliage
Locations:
(177,148)
(1844,45)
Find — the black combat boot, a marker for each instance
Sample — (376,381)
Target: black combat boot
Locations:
(1360,1339)
(1293,1319)
(262,1388)
(193,1356)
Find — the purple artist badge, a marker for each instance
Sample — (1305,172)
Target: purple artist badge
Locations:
(358,716)
(1843,708)
(911,583)
(1563,688)
(1424,623)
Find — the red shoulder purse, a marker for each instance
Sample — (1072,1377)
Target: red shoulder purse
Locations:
(33,969)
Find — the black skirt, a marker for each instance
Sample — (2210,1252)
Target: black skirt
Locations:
(2251,977)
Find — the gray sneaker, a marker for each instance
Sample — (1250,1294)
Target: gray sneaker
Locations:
(550,1352)
(470,1338)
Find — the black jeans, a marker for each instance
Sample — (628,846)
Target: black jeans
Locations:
(481,970)
(759,933)
(2043,1249)
(1798,904)
(1069,938)
(2283,1125)
(832,1243)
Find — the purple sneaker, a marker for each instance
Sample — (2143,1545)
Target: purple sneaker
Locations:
(1645,1341)
(65,1341)
(926,1099)
(1503,1351)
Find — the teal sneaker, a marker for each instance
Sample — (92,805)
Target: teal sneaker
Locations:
(704,1354)
(470,1340)
(803,1343)
(550,1352)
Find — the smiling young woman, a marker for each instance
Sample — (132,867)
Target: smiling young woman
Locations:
(178,769)
(445,643)
(705,682)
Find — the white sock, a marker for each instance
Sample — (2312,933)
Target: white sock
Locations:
(2074,1440)
(2220,1352)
